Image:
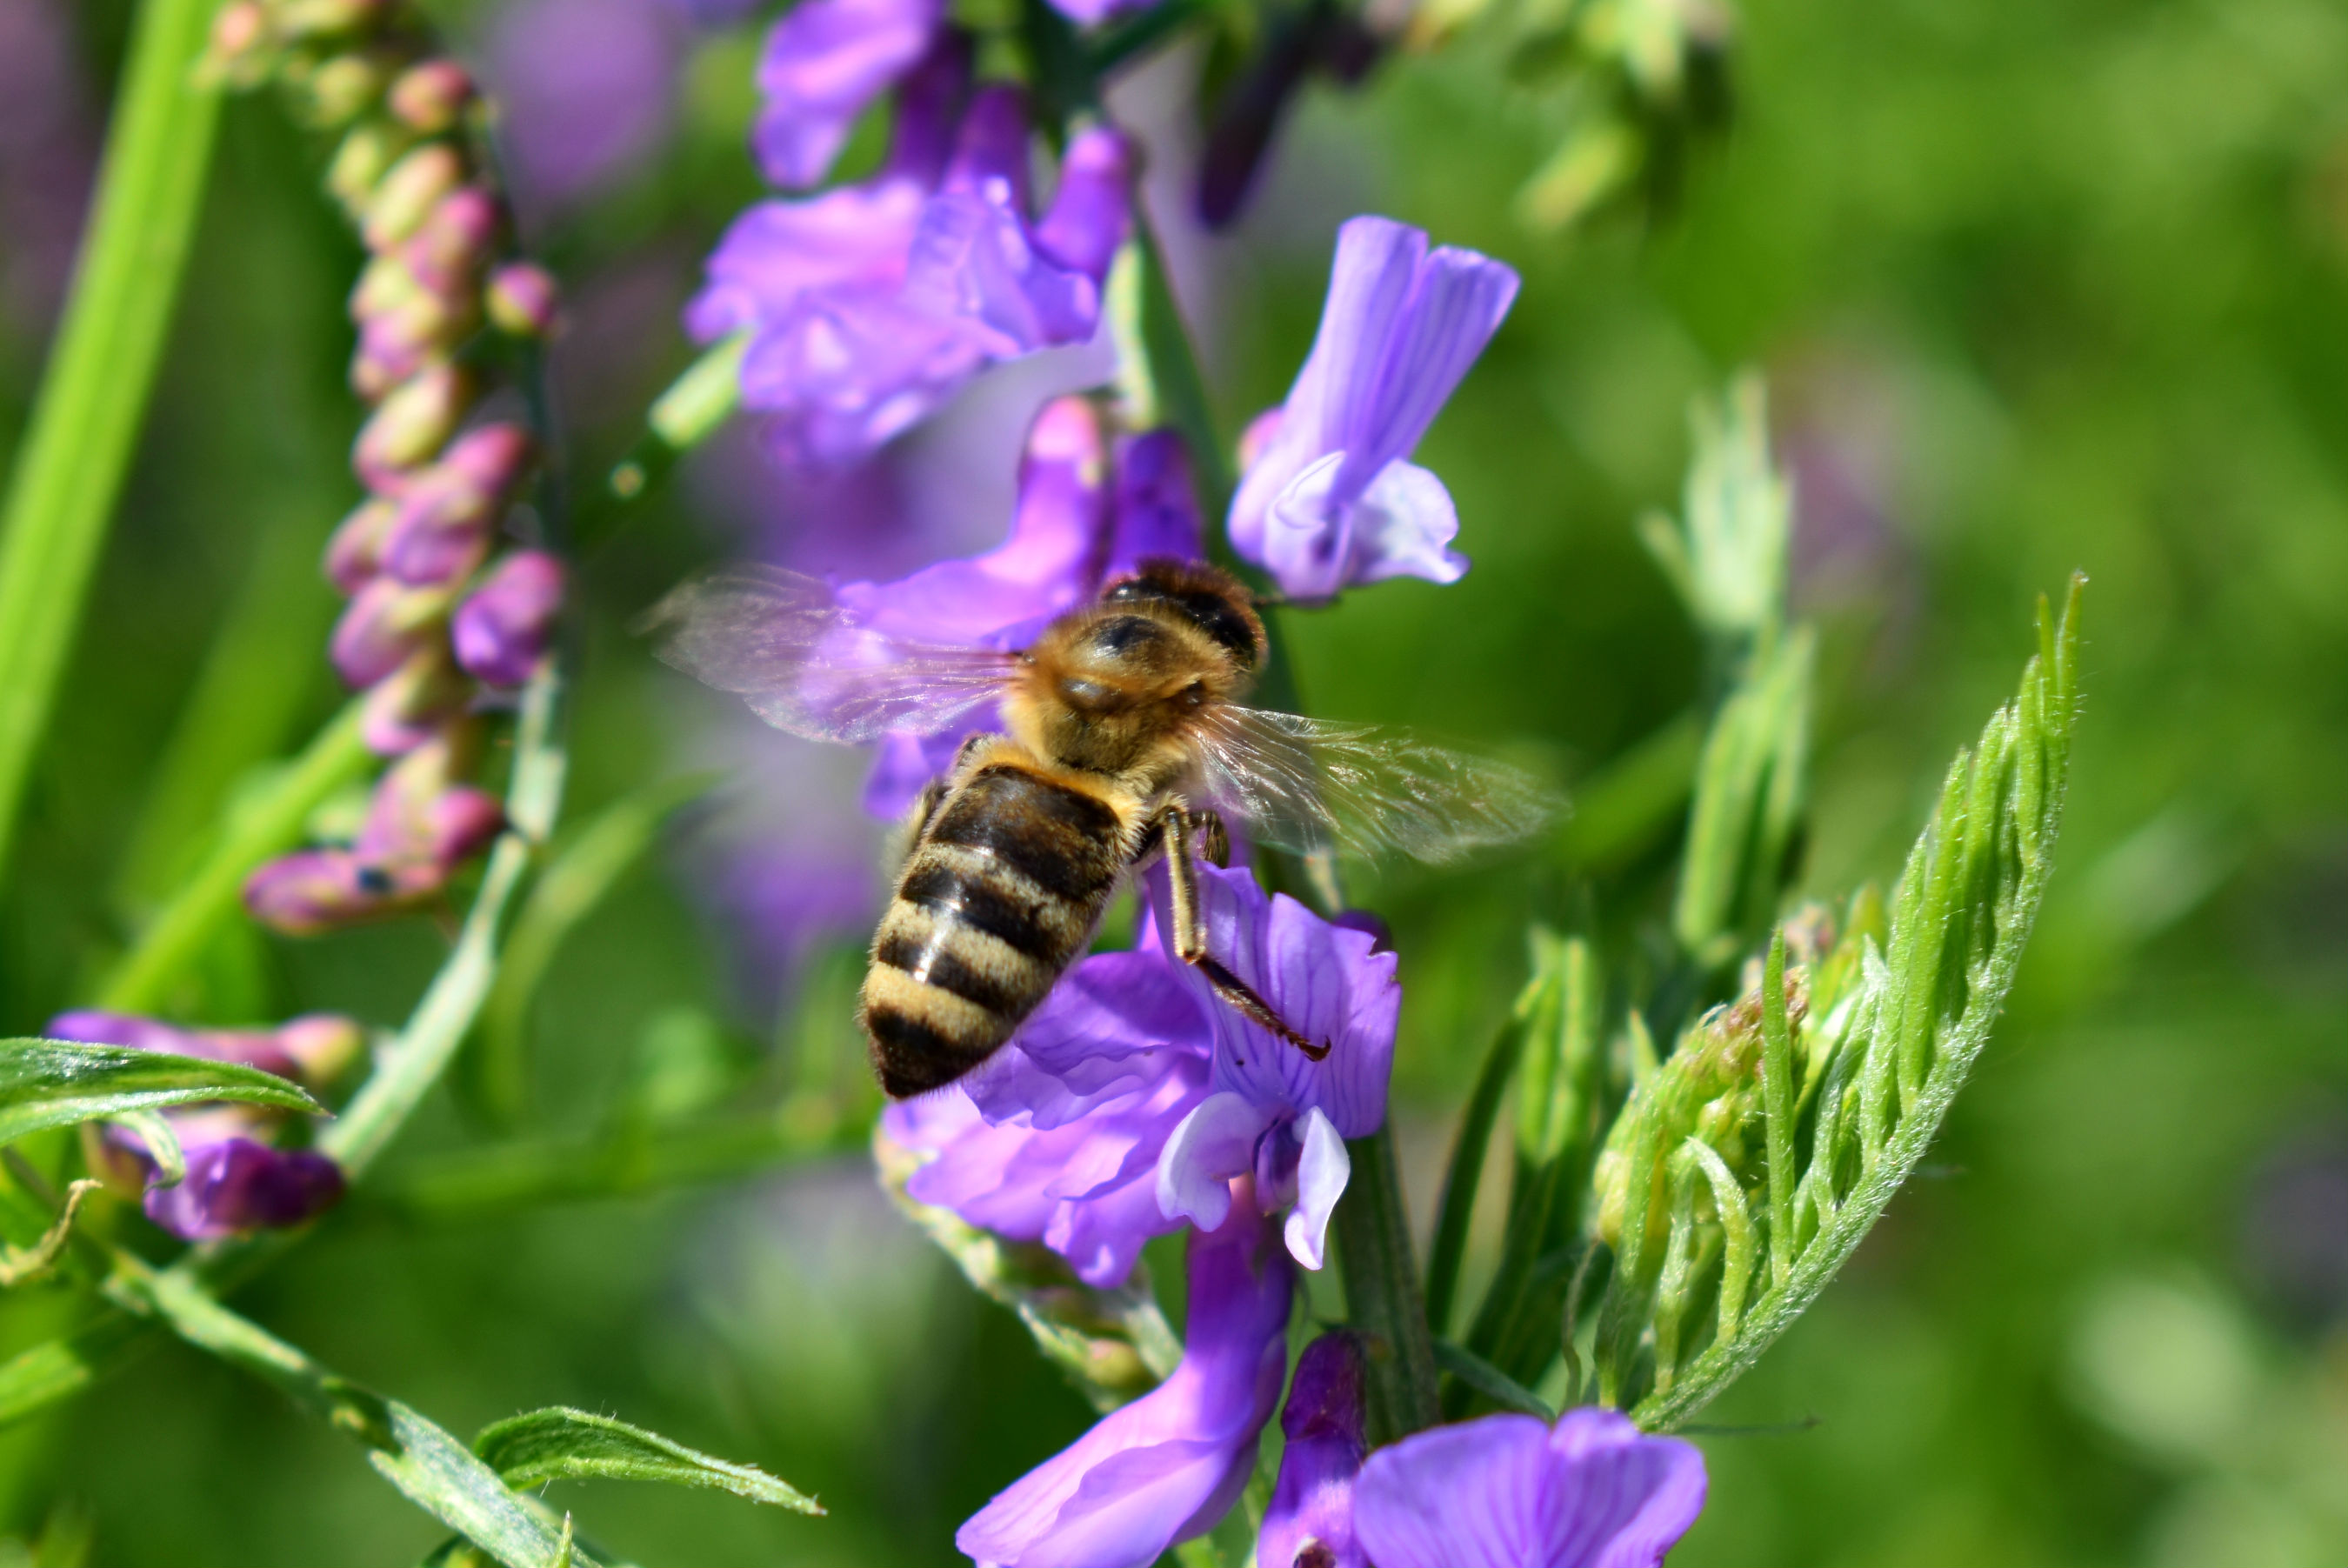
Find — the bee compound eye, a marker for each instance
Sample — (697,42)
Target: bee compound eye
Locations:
(1194,694)
(1079,692)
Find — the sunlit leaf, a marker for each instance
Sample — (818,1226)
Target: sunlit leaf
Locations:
(55,1083)
(559,1444)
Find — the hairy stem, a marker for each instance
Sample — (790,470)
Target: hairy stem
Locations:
(95,390)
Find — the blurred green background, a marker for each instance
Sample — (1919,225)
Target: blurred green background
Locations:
(2040,288)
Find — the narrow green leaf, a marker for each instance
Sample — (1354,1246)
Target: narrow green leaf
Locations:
(1466,1171)
(1777,1111)
(55,1083)
(559,1444)
(57,1369)
(1489,1380)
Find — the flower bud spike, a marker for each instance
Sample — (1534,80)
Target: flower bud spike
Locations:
(407,191)
(354,553)
(522,298)
(429,97)
(412,424)
(408,708)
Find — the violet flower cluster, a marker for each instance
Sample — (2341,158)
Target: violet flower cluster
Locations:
(432,618)
(1134,1102)
(238,1177)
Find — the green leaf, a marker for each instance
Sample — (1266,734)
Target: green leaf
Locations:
(559,1444)
(1489,1380)
(55,1083)
(1888,1057)
(1466,1171)
(1727,552)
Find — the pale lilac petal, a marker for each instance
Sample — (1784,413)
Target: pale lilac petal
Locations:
(1312,1500)
(1459,302)
(1470,1496)
(1169,1464)
(1330,984)
(1403,527)
(1092,210)
(778,251)
(1086,12)
(1307,540)
(1618,1498)
(1214,1143)
(824,62)
(1321,1177)
(1372,284)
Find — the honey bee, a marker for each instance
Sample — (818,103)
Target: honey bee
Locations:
(1125,737)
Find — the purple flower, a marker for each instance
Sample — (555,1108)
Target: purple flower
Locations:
(500,631)
(1274,1112)
(1168,1466)
(420,826)
(235,1179)
(587,89)
(1508,1491)
(869,306)
(1129,1101)
(1309,1523)
(824,62)
(1330,502)
(1057,1138)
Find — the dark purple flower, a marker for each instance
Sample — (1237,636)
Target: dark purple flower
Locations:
(1309,1523)
(500,631)
(1168,1466)
(1509,1492)
(824,62)
(1057,1138)
(235,1179)
(1276,1112)
(1332,500)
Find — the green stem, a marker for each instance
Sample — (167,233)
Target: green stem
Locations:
(94,392)
(1382,1292)
(142,980)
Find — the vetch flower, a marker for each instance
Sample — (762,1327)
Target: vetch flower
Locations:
(869,306)
(1168,1466)
(1276,1112)
(236,1180)
(1057,1138)
(1330,501)
(1309,1523)
(824,62)
(1509,1492)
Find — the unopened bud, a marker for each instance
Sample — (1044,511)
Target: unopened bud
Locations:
(447,513)
(410,425)
(364,159)
(430,97)
(354,553)
(397,343)
(240,1184)
(341,87)
(492,455)
(522,299)
(408,707)
(500,632)
(382,628)
(448,247)
(242,47)
(407,192)
(312,892)
(322,1046)
(319,18)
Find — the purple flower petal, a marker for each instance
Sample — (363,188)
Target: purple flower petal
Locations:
(824,62)
(1327,982)
(1312,1502)
(778,251)
(1168,1465)
(1214,1143)
(1322,506)
(241,1185)
(1507,1491)
(1321,1176)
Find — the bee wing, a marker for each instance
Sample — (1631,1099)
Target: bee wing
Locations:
(808,664)
(1308,786)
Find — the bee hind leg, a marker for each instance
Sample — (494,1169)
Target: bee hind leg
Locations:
(1178,824)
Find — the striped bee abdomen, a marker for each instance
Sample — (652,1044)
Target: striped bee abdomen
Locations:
(1001,893)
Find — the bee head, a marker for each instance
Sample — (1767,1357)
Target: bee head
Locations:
(1213,601)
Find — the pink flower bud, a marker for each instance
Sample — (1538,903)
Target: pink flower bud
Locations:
(397,343)
(362,161)
(409,706)
(448,247)
(240,49)
(323,1046)
(386,623)
(356,552)
(522,300)
(442,534)
(500,632)
(410,425)
(430,97)
(408,190)
(493,456)
(312,892)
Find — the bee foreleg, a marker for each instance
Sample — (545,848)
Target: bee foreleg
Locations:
(1177,823)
